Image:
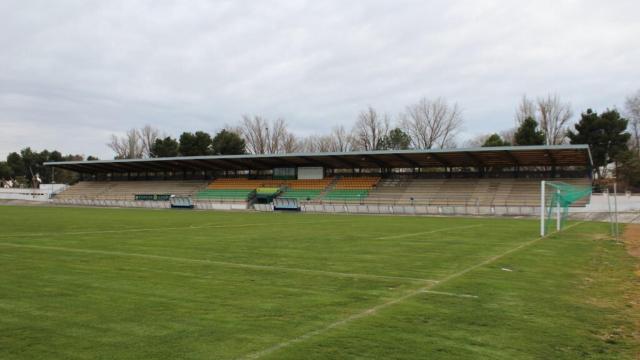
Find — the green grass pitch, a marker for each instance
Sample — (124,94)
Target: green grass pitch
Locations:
(87,283)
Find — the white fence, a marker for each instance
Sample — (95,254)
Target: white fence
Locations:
(203,205)
(597,209)
(328,208)
(422,210)
(209,205)
(598,203)
(42,194)
(114,203)
(263,207)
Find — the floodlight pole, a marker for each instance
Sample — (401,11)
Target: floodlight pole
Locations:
(542,187)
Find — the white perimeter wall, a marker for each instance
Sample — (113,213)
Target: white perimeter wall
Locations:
(41,194)
(203,205)
(599,204)
(53,188)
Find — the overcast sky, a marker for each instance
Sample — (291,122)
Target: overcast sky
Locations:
(74,72)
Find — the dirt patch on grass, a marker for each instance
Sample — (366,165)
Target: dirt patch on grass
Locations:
(631,238)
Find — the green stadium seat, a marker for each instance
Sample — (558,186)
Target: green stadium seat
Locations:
(346,195)
(301,194)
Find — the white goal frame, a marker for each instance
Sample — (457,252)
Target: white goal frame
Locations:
(543,209)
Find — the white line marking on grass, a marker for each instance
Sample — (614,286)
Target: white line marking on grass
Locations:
(163,229)
(375,309)
(426,232)
(449,294)
(221,263)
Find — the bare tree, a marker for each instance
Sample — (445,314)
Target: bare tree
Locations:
(551,113)
(290,143)
(148,135)
(317,143)
(118,147)
(341,140)
(309,144)
(554,116)
(265,137)
(326,144)
(370,128)
(432,123)
(129,146)
(279,139)
(254,132)
(526,109)
(632,107)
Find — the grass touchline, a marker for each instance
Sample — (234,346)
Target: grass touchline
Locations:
(426,232)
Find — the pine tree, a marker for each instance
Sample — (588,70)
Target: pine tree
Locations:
(528,133)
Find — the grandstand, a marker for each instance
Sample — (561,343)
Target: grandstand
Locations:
(434,180)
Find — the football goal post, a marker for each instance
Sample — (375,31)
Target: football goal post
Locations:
(555,199)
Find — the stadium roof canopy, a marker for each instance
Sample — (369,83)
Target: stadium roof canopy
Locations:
(507,156)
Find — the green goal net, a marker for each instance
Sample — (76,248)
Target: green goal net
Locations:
(556,197)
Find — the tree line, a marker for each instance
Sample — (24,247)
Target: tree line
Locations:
(24,165)
(426,124)
(613,137)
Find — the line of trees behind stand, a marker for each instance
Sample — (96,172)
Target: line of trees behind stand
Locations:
(424,125)
(614,139)
(147,143)
(24,165)
(427,124)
